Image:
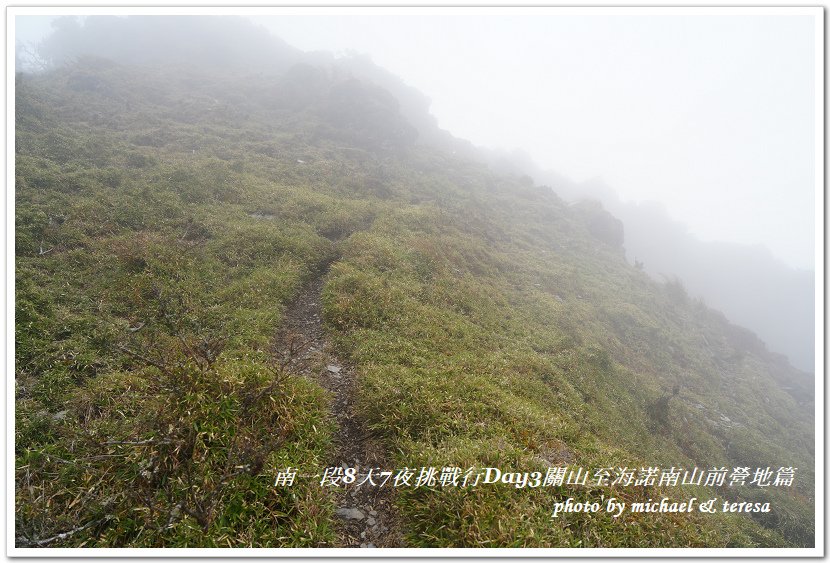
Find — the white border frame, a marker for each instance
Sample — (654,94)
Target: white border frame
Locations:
(818,551)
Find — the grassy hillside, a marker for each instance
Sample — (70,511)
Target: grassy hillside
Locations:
(164,221)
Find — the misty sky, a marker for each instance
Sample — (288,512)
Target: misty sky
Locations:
(712,115)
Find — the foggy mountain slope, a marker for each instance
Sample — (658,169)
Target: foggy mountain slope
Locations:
(165,220)
(235,46)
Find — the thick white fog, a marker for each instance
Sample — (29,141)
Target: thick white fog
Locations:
(712,115)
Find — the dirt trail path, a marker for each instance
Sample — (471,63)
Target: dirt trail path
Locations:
(365,515)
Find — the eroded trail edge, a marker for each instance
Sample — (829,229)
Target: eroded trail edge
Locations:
(365,513)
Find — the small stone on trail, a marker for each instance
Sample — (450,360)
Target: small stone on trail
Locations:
(373,513)
(333,368)
(371,521)
(350,513)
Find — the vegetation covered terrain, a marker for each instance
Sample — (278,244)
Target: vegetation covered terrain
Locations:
(168,216)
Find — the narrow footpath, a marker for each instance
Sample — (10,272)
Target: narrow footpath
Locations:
(365,514)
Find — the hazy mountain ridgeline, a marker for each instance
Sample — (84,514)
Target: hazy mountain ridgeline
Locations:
(228,44)
(167,215)
(747,283)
